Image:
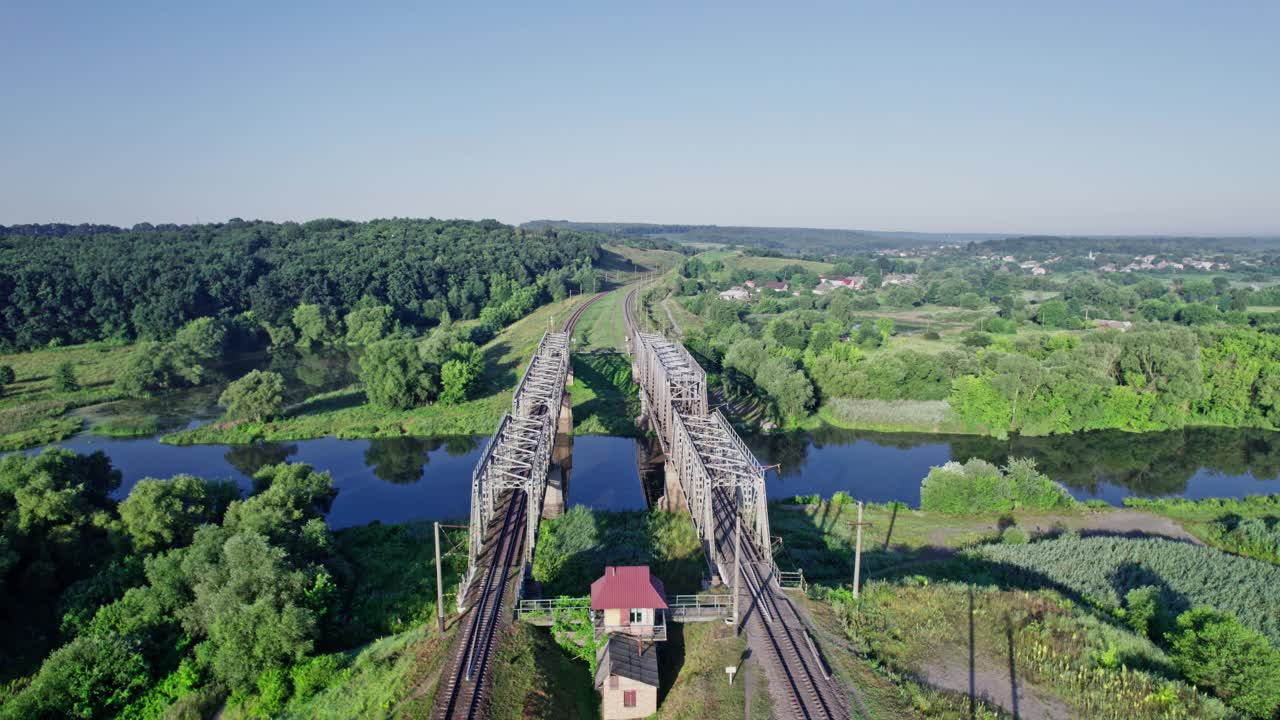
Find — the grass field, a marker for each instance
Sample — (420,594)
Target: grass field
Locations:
(890,415)
(602,326)
(627,259)
(768,264)
(33,412)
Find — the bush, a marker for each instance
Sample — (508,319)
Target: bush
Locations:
(841,498)
(814,499)
(1096,504)
(932,335)
(1013,535)
(64,378)
(1142,609)
(315,674)
(1214,651)
(7,375)
(979,486)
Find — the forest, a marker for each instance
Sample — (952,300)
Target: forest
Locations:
(66,285)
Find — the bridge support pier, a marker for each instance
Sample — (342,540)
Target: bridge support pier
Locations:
(674,497)
(553,502)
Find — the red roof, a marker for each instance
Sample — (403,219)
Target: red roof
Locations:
(627,587)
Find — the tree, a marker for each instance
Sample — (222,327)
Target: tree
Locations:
(161,514)
(314,324)
(368,325)
(1217,653)
(258,396)
(64,378)
(7,375)
(155,367)
(396,376)
(204,338)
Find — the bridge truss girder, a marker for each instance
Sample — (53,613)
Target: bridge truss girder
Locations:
(518,455)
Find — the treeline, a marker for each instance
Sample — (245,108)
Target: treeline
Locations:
(184,594)
(62,284)
(1039,245)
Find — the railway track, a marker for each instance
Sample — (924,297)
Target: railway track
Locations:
(572,320)
(792,656)
(466,693)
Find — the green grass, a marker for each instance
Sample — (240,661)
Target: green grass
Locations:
(602,326)
(769,264)
(33,413)
(346,413)
(535,680)
(693,684)
(393,677)
(605,400)
(127,426)
(1059,653)
(890,415)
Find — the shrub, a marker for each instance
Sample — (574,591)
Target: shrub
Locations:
(814,499)
(1013,535)
(7,375)
(979,486)
(1214,651)
(64,378)
(314,674)
(1256,537)
(932,335)
(841,498)
(1096,504)
(1142,607)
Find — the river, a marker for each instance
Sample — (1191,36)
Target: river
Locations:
(398,479)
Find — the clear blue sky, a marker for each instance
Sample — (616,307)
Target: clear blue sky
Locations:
(1067,117)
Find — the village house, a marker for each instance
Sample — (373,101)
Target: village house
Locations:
(630,606)
(1039,270)
(1121,325)
(898,279)
(778,286)
(826,285)
(736,292)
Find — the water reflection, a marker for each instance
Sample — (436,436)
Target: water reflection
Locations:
(249,459)
(1198,462)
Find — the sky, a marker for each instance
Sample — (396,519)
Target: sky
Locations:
(1029,117)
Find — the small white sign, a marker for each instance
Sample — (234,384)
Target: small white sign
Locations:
(730,670)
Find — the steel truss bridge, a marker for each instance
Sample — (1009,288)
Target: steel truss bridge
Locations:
(710,470)
(518,455)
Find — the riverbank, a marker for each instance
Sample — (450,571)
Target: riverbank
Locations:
(347,414)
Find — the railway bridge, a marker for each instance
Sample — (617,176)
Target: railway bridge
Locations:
(509,493)
(711,473)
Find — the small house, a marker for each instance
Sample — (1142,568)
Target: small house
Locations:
(627,678)
(630,601)
(630,606)
(777,286)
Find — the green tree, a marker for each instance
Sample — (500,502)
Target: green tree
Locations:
(395,375)
(368,325)
(64,378)
(1217,653)
(259,396)
(7,375)
(315,325)
(161,514)
(203,338)
(155,367)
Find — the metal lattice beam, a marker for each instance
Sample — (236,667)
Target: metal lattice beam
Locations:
(518,455)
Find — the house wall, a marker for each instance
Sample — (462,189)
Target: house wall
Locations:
(614,617)
(611,699)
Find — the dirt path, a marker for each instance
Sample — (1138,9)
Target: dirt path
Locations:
(995,685)
(1119,522)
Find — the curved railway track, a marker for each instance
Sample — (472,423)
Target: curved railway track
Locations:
(466,694)
(572,320)
(810,692)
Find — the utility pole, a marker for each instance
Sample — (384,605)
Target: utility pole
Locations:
(857,553)
(737,565)
(440,585)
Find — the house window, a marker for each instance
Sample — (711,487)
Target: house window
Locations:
(613,682)
(628,698)
(637,616)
